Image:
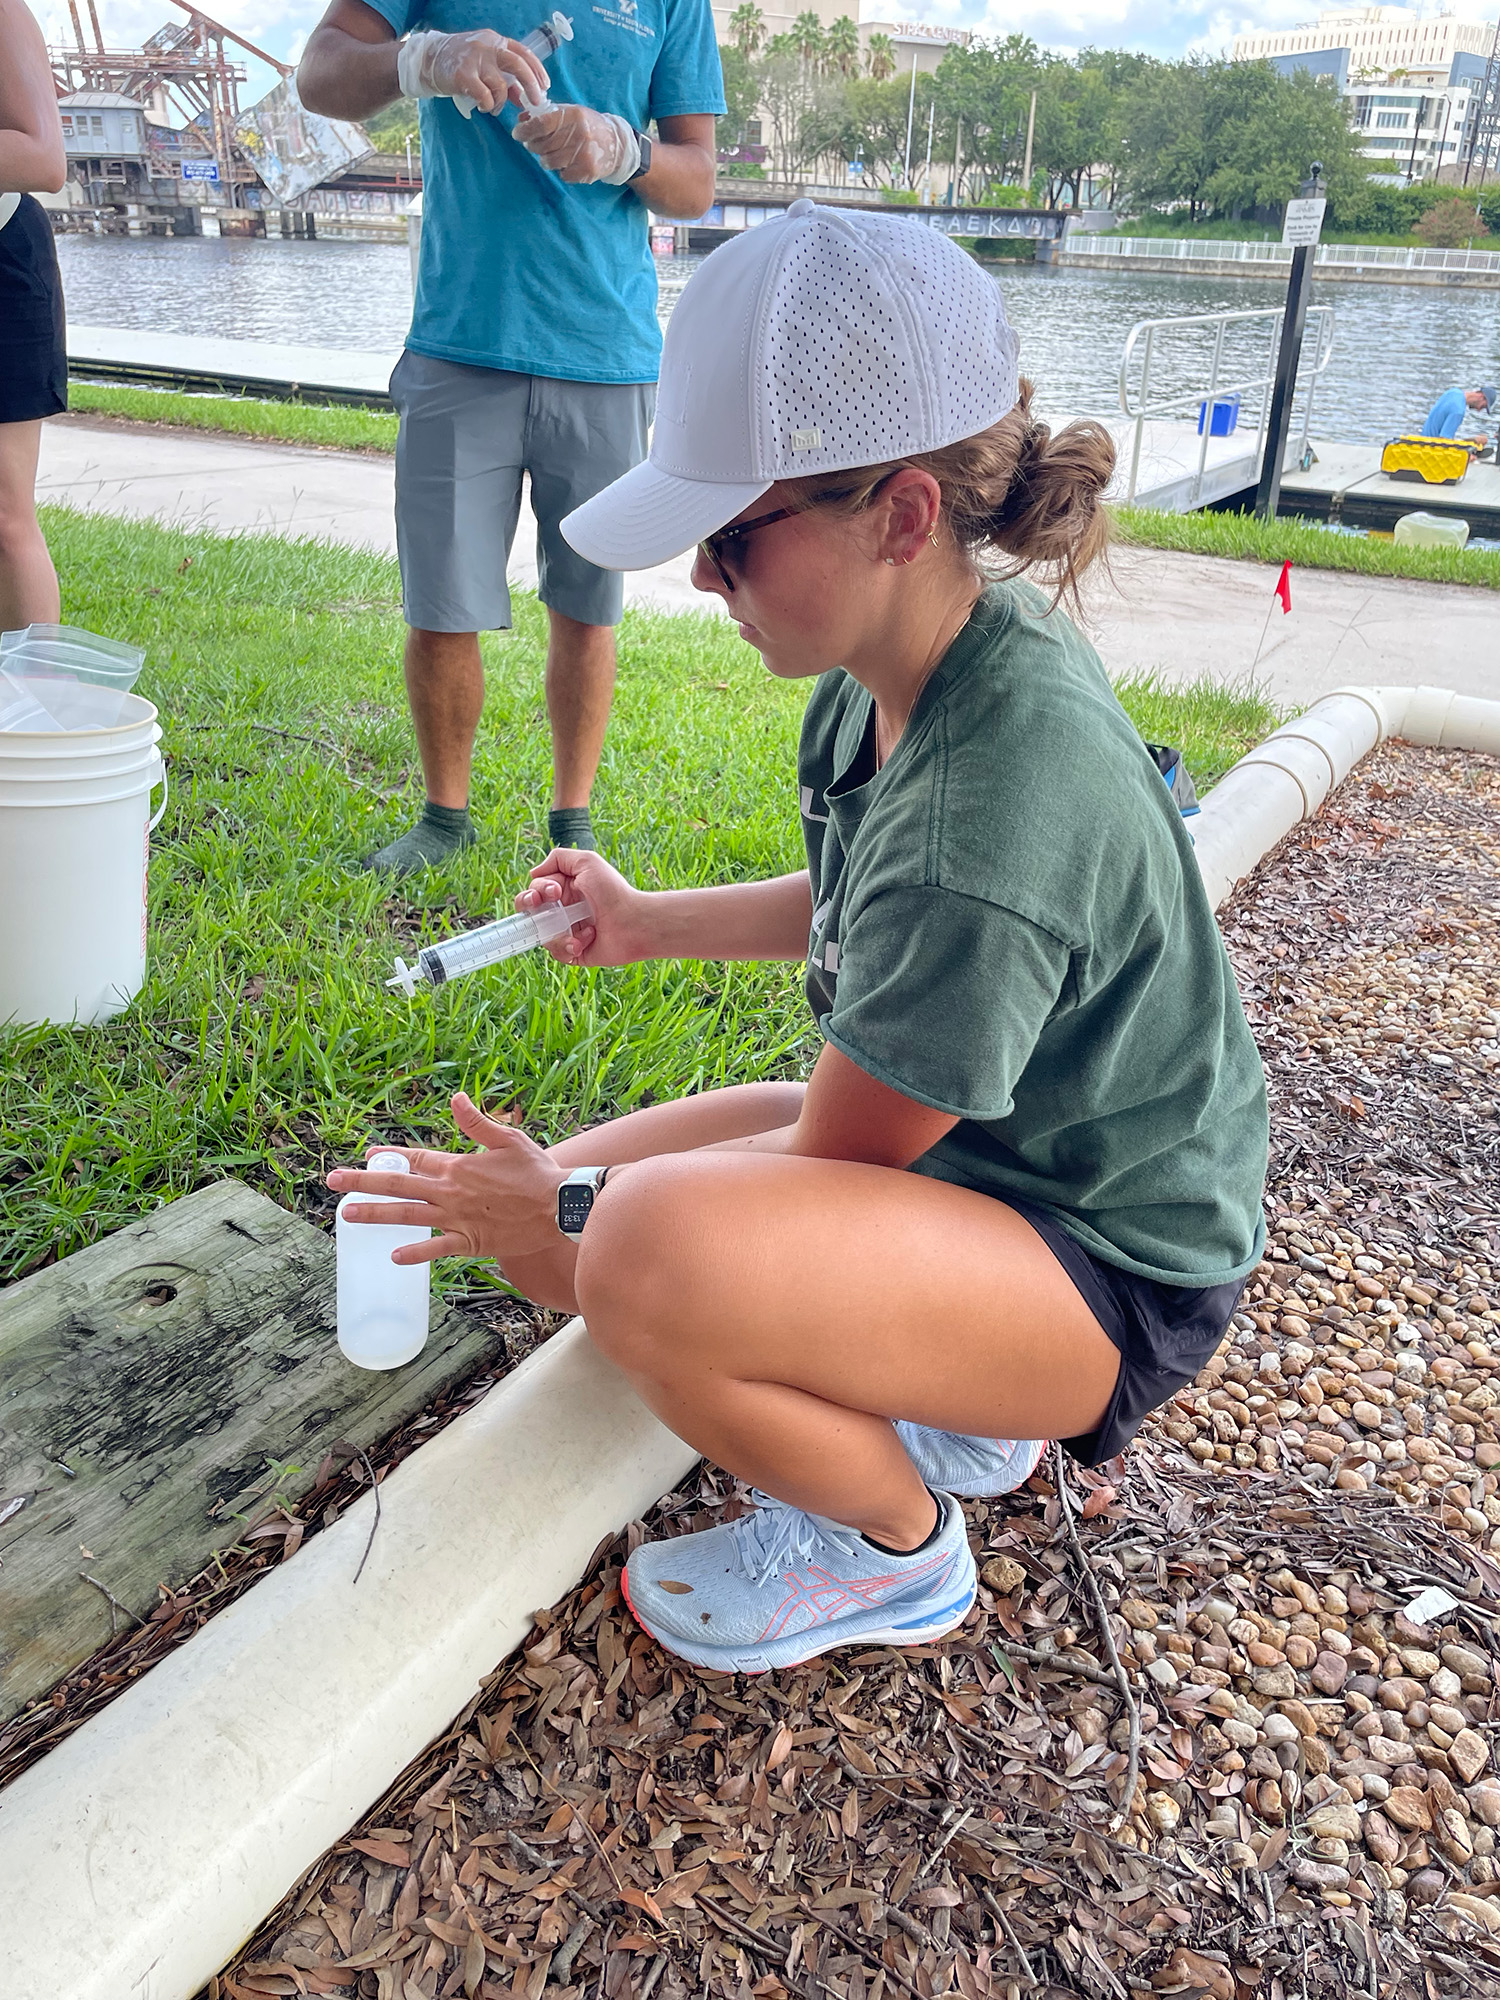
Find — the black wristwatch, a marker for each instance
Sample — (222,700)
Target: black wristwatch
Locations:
(576,1198)
(644,167)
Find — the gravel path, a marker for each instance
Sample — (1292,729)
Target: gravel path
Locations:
(1318,1807)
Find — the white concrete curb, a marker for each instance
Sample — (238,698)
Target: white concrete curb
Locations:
(1285,779)
(139,1854)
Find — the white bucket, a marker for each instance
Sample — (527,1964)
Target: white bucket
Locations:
(75,830)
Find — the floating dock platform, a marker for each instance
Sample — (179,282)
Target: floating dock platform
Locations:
(202,362)
(1347,487)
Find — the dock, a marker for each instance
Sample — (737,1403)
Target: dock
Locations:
(203,362)
(1347,487)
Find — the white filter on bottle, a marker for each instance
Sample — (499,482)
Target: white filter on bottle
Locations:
(382,1307)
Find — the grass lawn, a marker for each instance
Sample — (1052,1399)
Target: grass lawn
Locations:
(1243,538)
(1200,534)
(327,424)
(265,1044)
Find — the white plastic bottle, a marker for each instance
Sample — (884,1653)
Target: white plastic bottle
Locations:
(382,1307)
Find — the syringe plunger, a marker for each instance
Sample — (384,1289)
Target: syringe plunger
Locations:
(438,963)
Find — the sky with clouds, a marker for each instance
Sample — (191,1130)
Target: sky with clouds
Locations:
(1161,27)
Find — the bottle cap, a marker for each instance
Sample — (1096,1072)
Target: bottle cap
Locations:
(387,1163)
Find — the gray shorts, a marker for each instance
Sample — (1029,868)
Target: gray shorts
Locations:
(467,435)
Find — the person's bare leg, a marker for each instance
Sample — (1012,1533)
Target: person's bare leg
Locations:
(678,1127)
(28,582)
(445,689)
(779,1313)
(580,688)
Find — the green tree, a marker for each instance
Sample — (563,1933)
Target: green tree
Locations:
(842,46)
(390,129)
(1265,129)
(808,39)
(988,85)
(1074,112)
(741,96)
(1164,137)
(747,28)
(880,58)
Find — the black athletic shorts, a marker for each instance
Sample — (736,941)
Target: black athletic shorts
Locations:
(33,346)
(1165,1333)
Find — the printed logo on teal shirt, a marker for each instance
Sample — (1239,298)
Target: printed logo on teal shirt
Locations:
(623,15)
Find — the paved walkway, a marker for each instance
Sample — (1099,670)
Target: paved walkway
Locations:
(1179,616)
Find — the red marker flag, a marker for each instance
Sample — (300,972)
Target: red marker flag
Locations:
(1284,586)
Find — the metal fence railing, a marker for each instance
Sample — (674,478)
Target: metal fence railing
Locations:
(1201,249)
(1183,367)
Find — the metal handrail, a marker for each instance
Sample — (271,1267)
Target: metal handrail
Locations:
(1180,249)
(1137,401)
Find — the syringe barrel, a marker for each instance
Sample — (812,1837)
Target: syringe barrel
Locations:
(546,39)
(493,942)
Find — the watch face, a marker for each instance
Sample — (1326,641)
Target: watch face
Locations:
(574,1202)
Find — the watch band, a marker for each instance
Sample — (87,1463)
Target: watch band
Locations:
(575,1200)
(644,164)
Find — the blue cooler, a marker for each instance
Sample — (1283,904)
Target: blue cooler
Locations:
(1225,418)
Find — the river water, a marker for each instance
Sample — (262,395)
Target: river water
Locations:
(1396,347)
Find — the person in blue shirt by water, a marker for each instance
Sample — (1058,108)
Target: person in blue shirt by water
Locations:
(1450,409)
(534,341)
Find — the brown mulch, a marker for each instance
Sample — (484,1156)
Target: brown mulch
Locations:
(1317,1807)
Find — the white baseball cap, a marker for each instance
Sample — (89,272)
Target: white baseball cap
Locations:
(826,339)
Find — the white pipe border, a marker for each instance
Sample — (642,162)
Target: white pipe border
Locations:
(1285,779)
(140,1854)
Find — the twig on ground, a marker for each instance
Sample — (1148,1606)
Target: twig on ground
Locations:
(932,1860)
(562,1965)
(991,1903)
(114,1603)
(364,1459)
(1101,1613)
(1065,1664)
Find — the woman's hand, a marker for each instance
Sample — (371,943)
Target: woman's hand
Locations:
(620,931)
(500,1202)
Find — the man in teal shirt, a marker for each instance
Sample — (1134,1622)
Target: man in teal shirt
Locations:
(534,341)
(1450,409)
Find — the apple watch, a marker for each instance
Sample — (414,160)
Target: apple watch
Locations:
(643,166)
(575,1200)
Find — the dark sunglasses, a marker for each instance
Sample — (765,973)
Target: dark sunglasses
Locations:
(716,547)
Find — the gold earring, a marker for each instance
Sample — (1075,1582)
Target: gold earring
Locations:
(932,537)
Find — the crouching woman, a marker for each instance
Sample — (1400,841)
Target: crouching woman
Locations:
(1019,1193)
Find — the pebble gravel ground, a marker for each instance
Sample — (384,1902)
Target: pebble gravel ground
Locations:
(1299,1562)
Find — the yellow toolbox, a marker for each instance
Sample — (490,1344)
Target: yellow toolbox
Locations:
(1432,461)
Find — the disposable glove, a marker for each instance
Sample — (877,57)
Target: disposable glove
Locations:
(478,70)
(580,145)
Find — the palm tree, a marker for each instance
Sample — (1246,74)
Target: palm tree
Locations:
(747,28)
(841,46)
(807,38)
(880,58)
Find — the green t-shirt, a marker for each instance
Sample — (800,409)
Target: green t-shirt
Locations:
(1009,925)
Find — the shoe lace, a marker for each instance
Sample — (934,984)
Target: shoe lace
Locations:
(777,1534)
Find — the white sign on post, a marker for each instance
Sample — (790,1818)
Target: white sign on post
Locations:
(1304,221)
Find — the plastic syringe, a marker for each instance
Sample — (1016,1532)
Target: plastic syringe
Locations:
(542,42)
(438,963)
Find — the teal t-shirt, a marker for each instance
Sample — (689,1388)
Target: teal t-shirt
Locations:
(1009,925)
(517,269)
